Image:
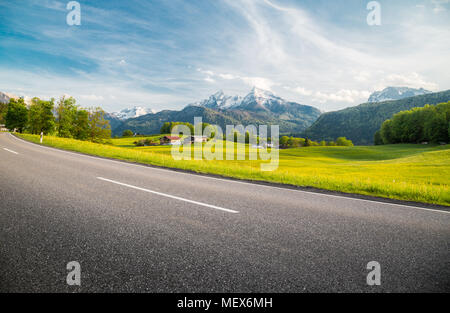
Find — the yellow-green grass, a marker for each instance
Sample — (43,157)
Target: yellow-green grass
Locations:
(407,172)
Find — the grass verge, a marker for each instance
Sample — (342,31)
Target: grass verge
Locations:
(404,172)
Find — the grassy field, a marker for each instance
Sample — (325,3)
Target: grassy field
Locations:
(407,172)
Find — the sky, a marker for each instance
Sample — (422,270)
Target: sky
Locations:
(167,54)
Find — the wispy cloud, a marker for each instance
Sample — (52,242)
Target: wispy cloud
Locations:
(165,54)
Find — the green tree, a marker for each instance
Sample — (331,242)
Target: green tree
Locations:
(17,115)
(40,117)
(377,139)
(284,141)
(165,129)
(99,128)
(3,111)
(428,123)
(81,125)
(65,116)
(342,141)
(127,133)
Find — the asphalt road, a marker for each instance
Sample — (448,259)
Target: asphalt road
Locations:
(141,229)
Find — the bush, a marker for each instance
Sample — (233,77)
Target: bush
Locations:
(344,142)
(127,133)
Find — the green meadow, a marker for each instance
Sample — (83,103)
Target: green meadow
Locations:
(418,173)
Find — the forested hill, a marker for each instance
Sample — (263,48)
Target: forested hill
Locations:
(360,123)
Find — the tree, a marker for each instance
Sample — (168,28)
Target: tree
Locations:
(344,142)
(127,133)
(80,129)
(99,128)
(428,123)
(168,126)
(284,141)
(436,128)
(65,115)
(17,115)
(41,117)
(3,111)
(386,132)
(377,139)
(47,118)
(165,129)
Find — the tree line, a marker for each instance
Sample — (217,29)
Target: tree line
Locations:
(430,123)
(294,142)
(66,119)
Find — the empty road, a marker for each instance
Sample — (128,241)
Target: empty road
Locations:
(141,229)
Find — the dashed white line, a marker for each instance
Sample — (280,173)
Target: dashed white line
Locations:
(236,181)
(169,196)
(10,151)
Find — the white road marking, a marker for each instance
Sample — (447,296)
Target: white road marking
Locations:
(231,180)
(10,151)
(169,196)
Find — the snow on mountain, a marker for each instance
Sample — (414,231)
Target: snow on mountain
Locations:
(5,97)
(396,93)
(132,112)
(219,101)
(257,99)
(261,99)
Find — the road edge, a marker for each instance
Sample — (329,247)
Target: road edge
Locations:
(420,205)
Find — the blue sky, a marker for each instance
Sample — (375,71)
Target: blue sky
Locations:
(166,54)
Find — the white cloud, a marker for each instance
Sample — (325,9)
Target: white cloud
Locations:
(343,95)
(259,82)
(438,5)
(299,90)
(227,76)
(412,80)
(92,97)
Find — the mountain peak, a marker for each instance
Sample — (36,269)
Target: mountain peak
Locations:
(133,112)
(261,92)
(396,93)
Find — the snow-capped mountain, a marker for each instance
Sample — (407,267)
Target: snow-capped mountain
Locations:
(5,97)
(259,99)
(219,101)
(396,93)
(256,100)
(259,107)
(132,113)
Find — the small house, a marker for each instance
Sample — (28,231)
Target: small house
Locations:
(194,139)
(3,128)
(170,140)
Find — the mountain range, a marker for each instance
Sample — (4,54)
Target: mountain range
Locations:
(257,107)
(396,93)
(132,112)
(261,107)
(361,122)
(5,97)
